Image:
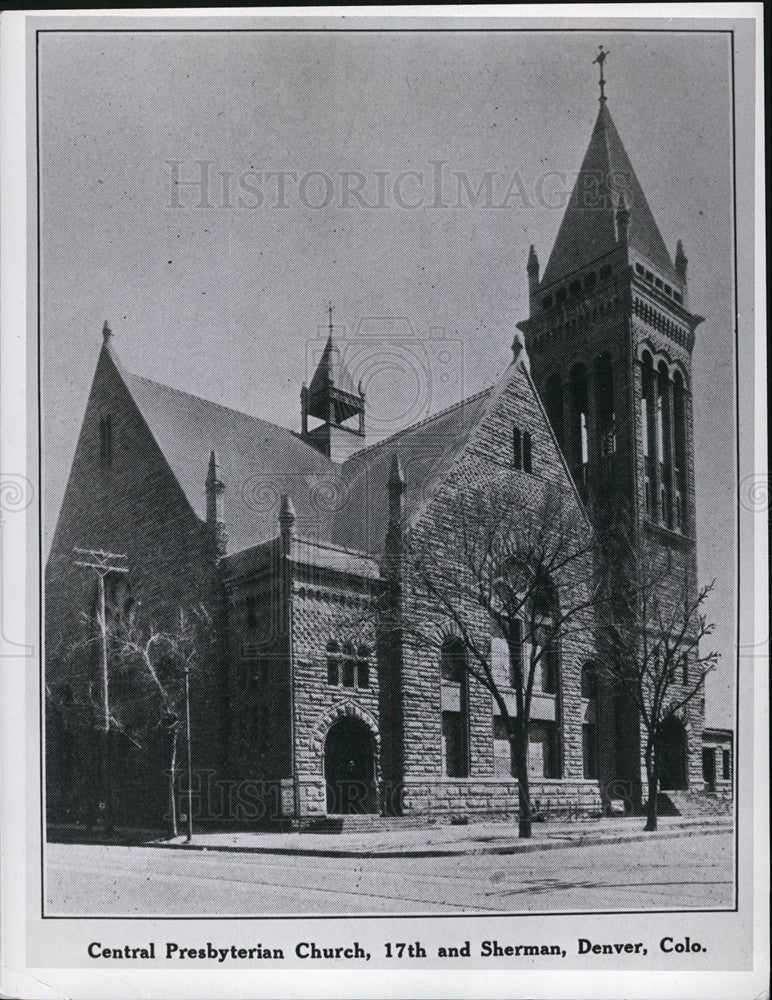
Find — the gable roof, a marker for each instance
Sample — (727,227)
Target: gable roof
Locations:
(344,505)
(258,461)
(588,228)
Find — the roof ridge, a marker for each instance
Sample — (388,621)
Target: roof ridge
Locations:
(421,423)
(212,402)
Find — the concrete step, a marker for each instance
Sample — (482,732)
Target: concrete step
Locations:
(693,803)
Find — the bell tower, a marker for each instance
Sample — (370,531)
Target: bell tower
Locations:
(610,337)
(333,399)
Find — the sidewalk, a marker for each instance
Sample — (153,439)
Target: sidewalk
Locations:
(447,841)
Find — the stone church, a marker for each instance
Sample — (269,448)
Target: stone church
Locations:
(283,535)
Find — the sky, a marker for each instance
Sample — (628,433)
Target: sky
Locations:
(401,177)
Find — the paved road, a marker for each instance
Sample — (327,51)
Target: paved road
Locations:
(684,872)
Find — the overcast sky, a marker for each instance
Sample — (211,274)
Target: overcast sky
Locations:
(227,301)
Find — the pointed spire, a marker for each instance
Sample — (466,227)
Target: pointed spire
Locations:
(106,333)
(588,230)
(533,278)
(681,261)
(215,513)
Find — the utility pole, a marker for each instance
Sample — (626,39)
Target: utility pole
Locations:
(190,762)
(104,563)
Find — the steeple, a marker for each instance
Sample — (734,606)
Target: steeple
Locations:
(333,398)
(589,229)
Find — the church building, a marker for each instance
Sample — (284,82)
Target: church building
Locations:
(285,537)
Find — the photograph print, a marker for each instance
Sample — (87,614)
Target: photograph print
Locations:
(389,478)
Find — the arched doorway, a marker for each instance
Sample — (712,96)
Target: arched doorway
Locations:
(672,755)
(349,768)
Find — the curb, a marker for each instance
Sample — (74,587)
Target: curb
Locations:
(525,847)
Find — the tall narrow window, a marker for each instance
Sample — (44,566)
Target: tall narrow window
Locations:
(106,441)
(349,665)
(577,437)
(648,428)
(527,452)
(589,750)
(333,663)
(455,724)
(455,762)
(664,444)
(679,428)
(517,448)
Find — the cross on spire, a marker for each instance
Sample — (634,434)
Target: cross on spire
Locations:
(600,59)
(329,310)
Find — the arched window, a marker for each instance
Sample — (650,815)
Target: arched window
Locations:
(679,428)
(664,444)
(453,661)
(648,432)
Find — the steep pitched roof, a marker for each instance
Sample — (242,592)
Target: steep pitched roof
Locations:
(344,505)
(588,229)
(426,451)
(258,461)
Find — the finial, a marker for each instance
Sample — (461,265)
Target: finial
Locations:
(396,475)
(533,260)
(287,515)
(106,332)
(600,59)
(681,263)
(329,310)
(213,477)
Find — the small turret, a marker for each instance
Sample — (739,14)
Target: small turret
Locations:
(395,528)
(333,398)
(681,262)
(533,278)
(215,508)
(287,521)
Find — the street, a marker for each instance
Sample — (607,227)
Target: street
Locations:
(663,873)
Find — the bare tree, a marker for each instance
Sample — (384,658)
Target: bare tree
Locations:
(150,656)
(501,568)
(156,661)
(650,638)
